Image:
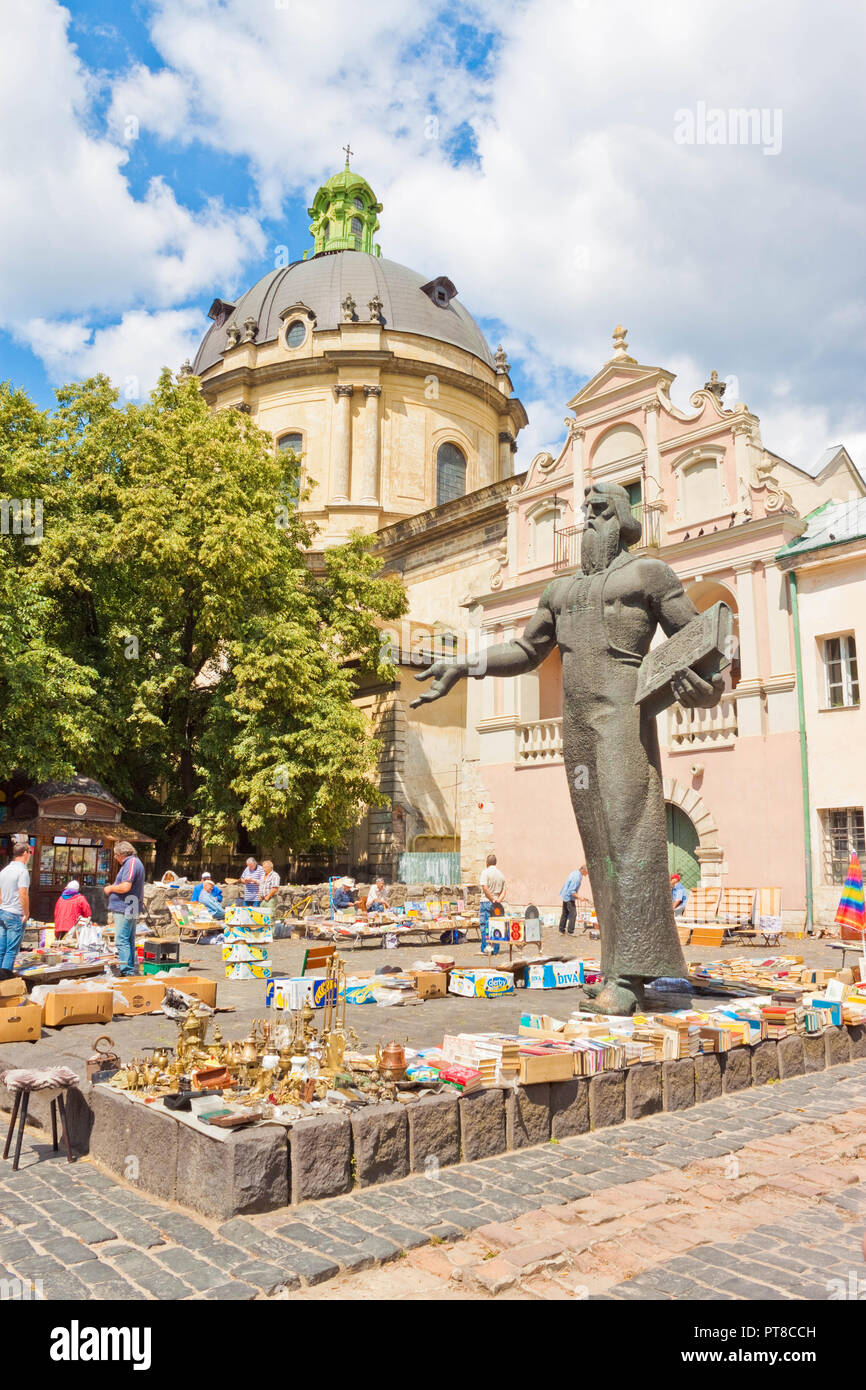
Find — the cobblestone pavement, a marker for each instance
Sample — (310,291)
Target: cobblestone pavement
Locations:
(755,1195)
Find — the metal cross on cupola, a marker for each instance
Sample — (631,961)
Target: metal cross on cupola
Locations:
(347,149)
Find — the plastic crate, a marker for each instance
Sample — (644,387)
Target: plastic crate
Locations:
(153,967)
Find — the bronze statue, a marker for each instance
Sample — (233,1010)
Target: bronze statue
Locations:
(603,618)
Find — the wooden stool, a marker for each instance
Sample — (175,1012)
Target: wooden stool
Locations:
(36,1081)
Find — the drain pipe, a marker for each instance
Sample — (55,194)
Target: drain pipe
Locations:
(804,751)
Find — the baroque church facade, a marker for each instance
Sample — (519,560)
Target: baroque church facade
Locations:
(406,423)
(407,426)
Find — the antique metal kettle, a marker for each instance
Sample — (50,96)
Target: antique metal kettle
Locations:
(102,1059)
(392,1061)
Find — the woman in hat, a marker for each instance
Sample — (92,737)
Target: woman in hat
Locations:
(71,905)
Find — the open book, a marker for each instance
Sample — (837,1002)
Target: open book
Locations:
(703,645)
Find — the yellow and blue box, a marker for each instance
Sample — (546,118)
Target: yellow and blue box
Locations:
(480,984)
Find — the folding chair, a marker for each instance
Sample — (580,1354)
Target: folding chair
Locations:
(317,956)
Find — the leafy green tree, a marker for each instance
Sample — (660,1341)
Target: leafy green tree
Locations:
(44,693)
(173,558)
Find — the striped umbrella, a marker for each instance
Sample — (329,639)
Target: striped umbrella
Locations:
(851,913)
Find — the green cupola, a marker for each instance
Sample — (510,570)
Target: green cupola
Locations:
(345,215)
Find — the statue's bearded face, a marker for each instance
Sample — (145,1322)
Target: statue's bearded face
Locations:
(601,537)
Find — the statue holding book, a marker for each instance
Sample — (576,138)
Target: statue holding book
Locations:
(603,618)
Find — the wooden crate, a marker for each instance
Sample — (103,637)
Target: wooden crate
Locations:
(707,936)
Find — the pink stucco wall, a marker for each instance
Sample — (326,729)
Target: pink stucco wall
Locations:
(752,791)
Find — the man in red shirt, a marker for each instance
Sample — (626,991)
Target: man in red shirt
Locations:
(71,905)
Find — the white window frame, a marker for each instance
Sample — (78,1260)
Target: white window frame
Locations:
(834,868)
(849,682)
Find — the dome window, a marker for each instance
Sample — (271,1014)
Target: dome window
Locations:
(220,312)
(450,473)
(359,203)
(296,333)
(441,291)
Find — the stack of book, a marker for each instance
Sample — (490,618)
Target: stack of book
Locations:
(636,1050)
(498,1058)
(778,1020)
(715,1038)
(462,1079)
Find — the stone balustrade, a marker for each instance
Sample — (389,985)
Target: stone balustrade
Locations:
(538,742)
(703,728)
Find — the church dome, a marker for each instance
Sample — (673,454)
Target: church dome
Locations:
(325,281)
(345,265)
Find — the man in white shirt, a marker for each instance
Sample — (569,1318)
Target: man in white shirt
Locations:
(14,903)
(270,882)
(493,893)
(377,898)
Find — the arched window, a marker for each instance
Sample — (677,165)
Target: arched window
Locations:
(450,473)
(359,202)
(293,442)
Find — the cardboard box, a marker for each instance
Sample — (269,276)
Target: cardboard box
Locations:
(555,974)
(64,1006)
(248,970)
(142,996)
(430,984)
(294,992)
(20,1021)
(197,986)
(549,1066)
(12,989)
(244,951)
(239,915)
(480,984)
(251,934)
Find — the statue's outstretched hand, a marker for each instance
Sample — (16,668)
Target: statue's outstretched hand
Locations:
(693,692)
(444,675)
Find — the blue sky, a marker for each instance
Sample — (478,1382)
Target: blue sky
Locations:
(155,154)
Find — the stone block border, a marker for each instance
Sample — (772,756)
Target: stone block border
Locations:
(269,1167)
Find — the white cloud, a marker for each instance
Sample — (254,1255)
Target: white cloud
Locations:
(585,210)
(132,352)
(74,242)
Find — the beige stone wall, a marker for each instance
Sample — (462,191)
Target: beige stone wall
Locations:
(431,393)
